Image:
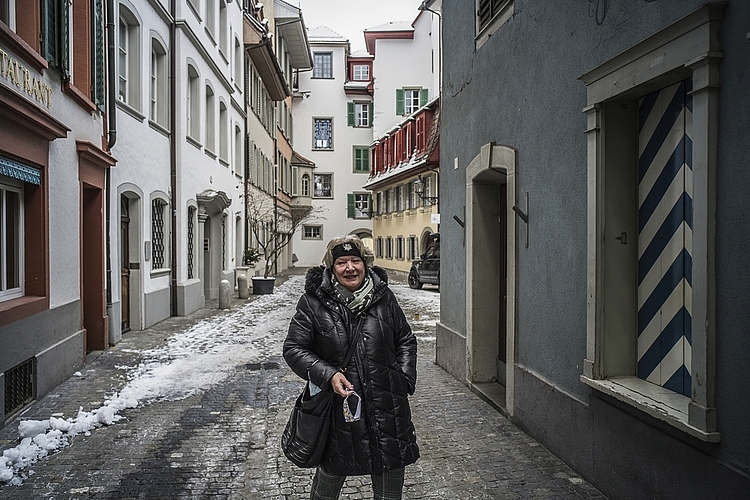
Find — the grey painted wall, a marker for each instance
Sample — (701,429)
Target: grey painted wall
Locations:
(521,89)
(54,337)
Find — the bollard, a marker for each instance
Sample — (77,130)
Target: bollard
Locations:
(224,294)
(242,286)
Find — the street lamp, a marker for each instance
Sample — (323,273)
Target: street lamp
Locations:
(419,189)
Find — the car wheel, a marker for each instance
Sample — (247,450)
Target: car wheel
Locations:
(414,280)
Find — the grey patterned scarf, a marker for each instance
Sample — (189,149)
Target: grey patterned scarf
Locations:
(358,300)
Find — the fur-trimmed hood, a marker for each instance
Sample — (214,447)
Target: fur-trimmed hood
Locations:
(315,275)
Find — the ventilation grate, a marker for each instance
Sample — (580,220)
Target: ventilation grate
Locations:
(19,387)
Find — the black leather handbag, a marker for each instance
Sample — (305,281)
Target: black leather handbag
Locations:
(306,433)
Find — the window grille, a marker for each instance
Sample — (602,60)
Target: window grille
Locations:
(191,243)
(323,133)
(19,387)
(223,242)
(157,234)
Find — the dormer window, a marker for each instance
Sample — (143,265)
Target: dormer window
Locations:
(361,72)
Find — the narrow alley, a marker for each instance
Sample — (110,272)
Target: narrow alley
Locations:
(196,406)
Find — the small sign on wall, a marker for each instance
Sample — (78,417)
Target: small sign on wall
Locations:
(435,218)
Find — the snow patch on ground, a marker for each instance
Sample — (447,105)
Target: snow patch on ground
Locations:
(189,363)
(192,362)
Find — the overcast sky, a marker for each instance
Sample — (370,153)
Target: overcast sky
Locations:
(350,17)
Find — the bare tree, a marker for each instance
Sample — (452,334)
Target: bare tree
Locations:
(274,226)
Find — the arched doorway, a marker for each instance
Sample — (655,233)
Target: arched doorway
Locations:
(490,274)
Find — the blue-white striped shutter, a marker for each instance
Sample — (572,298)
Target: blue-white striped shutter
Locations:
(665,236)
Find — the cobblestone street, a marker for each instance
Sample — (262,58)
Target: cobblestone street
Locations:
(222,441)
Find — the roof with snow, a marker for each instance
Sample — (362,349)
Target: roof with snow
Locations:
(361,53)
(323,34)
(392,26)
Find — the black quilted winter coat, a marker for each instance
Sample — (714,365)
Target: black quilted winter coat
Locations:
(383,370)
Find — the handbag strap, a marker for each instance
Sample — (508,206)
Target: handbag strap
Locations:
(350,351)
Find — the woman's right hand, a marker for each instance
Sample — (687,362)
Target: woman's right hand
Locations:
(341,385)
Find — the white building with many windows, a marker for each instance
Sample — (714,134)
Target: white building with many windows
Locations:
(333,129)
(176,199)
(406,65)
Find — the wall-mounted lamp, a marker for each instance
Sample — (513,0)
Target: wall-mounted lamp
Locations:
(419,189)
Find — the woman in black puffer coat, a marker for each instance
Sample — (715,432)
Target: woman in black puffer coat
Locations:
(344,298)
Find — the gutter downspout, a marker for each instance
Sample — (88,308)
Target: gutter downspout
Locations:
(111,76)
(173,156)
(111,140)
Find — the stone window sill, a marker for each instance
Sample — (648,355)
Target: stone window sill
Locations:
(656,401)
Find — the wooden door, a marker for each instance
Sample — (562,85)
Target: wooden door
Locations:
(125,262)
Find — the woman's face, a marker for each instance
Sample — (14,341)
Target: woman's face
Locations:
(349,271)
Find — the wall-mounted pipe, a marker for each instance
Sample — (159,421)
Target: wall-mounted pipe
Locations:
(111,76)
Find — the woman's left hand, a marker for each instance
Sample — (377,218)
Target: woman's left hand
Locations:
(341,385)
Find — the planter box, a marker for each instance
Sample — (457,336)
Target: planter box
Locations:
(263,286)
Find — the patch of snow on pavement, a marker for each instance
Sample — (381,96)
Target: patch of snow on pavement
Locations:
(422,309)
(191,362)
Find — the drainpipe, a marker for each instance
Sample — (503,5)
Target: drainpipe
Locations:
(111,76)
(111,139)
(246,159)
(173,154)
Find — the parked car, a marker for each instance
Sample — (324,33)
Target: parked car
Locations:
(426,269)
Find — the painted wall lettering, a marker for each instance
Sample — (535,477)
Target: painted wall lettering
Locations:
(19,75)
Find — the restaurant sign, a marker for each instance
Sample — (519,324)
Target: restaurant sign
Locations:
(19,75)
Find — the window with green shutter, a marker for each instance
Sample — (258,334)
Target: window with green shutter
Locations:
(358,205)
(350,114)
(97,56)
(361,159)
(409,101)
(359,114)
(55,25)
(350,205)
